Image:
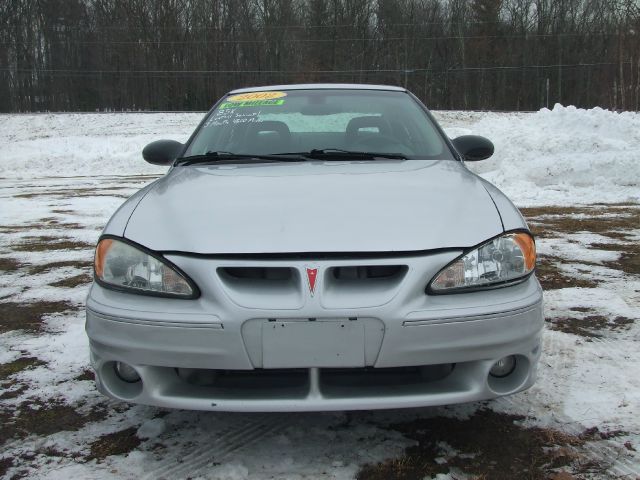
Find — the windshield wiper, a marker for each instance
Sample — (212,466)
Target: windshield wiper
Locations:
(223,157)
(339,154)
(316,154)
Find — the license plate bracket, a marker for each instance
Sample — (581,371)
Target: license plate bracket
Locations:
(318,343)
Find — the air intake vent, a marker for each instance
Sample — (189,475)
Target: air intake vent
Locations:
(357,286)
(257,273)
(368,272)
(262,286)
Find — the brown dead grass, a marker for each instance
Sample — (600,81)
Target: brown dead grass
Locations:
(496,447)
(47,267)
(76,192)
(628,263)
(40,419)
(117,443)
(85,375)
(75,281)
(5,465)
(551,277)
(29,316)
(10,387)
(609,221)
(532,212)
(46,243)
(42,224)
(591,326)
(613,221)
(18,365)
(629,260)
(10,265)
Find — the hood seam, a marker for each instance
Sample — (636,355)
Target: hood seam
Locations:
(495,205)
(148,189)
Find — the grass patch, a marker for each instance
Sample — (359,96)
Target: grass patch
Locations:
(5,465)
(9,393)
(46,243)
(41,419)
(532,212)
(552,278)
(11,388)
(590,326)
(47,267)
(628,263)
(47,224)
(28,316)
(608,221)
(117,443)
(85,375)
(75,281)
(77,192)
(10,265)
(18,365)
(629,260)
(52,222)
(488,445)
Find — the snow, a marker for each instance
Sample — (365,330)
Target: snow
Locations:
(559,156)
(76,169)
(86,144)
(151,428)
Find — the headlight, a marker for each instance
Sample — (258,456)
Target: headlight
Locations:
(501,261)
(123,266)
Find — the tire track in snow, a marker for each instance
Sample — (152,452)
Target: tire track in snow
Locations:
(233,437)
(259,434)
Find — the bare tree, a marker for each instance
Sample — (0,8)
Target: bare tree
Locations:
(183,54)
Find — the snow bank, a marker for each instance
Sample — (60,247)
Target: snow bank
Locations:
(559,156)
(565,155)
(80,144)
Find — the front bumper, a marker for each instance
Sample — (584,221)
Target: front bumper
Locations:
(214,353)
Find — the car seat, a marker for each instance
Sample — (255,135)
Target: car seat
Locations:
(354,135)
(269,136)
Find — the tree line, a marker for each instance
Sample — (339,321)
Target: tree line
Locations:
(87,55)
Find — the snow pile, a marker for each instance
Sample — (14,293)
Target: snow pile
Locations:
(565,155)
(547,157)
(81,144)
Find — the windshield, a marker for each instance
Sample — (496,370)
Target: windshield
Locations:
(288,121)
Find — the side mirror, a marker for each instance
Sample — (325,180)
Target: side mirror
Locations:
(162,152)
(473,147)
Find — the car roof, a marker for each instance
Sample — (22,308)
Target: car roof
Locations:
(320,86)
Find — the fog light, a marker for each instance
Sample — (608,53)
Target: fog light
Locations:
(126,372)
(503,367)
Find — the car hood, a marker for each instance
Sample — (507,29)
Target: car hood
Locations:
(377,206)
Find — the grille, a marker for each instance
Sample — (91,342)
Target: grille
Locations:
(332,381)
(257,273)
(368,272)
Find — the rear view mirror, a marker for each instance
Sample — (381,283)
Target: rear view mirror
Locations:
(162,152)
(473,147)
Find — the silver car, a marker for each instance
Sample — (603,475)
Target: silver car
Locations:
(315,247)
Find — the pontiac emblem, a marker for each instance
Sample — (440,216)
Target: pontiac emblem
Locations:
(312,274)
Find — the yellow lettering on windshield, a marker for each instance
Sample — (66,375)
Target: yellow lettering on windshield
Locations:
(243,97)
